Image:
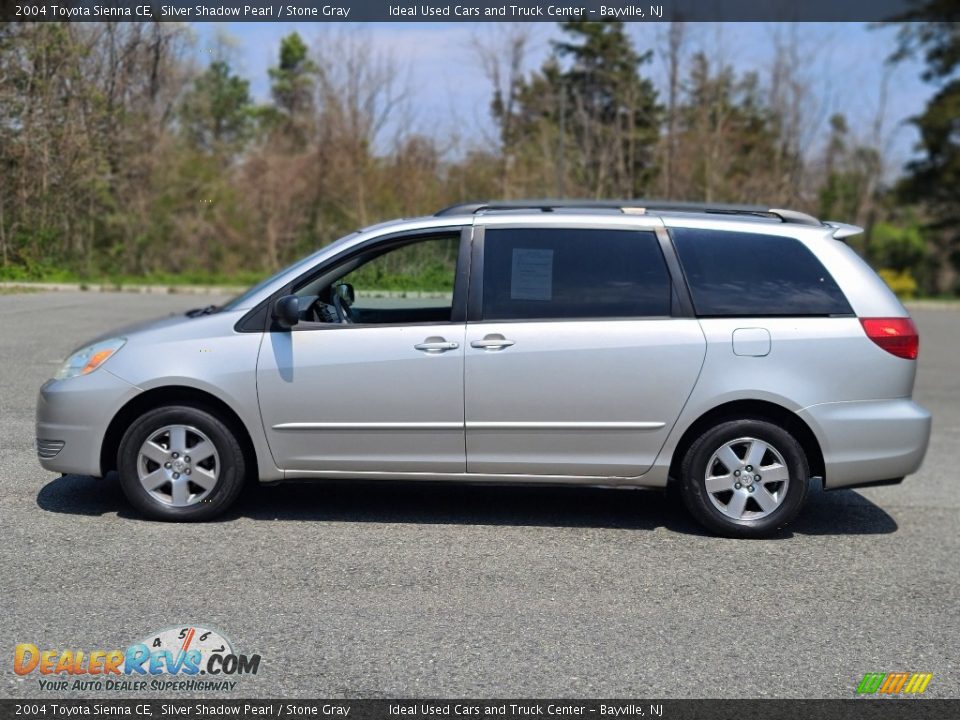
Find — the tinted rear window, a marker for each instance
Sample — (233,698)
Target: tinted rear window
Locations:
(746,274)
(552,273)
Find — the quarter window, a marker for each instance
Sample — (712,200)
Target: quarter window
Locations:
(749,274)
(570,273)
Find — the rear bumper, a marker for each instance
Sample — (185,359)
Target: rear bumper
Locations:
(72,418)
(871,441)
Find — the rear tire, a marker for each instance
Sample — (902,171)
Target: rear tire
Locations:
(180,464)
(745,478)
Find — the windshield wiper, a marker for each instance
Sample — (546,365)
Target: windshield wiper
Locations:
(197,312)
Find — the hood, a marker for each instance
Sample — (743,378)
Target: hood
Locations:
(180,323)
(139,328)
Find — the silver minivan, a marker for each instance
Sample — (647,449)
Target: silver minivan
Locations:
(729,354)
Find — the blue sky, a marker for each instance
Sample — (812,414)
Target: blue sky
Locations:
(842,63)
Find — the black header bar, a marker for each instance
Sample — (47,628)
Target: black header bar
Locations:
(466,709)
(458,10)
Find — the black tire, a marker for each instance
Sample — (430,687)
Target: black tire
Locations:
(230,458)
(698,500)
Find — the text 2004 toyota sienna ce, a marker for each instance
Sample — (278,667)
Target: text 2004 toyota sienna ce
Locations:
(729,353)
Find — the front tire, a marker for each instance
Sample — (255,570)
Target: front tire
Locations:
(745,478)
(181,464)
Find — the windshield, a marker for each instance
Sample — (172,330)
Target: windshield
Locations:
(245,297)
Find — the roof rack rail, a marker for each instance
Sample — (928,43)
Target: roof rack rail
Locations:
(633,206)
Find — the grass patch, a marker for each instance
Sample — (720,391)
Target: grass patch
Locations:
(118,281)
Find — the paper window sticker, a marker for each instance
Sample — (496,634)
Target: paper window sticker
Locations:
(531,276)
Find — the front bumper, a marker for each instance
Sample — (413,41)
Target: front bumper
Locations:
(869,441)
(72,419)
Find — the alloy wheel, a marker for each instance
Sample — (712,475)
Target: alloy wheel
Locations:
(178,465)
(747,479)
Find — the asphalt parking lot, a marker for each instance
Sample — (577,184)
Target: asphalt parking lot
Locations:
(411,590)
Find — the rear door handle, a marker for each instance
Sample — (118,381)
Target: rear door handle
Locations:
(436,345)
(492,342)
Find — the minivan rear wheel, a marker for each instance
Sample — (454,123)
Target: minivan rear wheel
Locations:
(745,478)
(180,463)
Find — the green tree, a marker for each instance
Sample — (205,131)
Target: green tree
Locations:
(216,113)
(933,180)
(727,136)
(898,247)
(292,86)
(849,177)
(281,165)
(590,108)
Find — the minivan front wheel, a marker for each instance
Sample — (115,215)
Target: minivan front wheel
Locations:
(180,463)
(745,478)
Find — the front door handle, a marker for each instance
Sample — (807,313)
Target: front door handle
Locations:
(494,341)
(436,345)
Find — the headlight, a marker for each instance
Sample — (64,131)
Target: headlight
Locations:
(88,359)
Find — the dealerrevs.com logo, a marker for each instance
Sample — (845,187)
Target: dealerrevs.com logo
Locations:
(171,659)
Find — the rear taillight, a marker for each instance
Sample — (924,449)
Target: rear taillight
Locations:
(898,336)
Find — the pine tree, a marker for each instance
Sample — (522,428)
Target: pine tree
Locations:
(588,115)
(215,114)
(292,85)
(933,181)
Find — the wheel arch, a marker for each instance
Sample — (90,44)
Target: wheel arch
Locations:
(752,409)
(174,395)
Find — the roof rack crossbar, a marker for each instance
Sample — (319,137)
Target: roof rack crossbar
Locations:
(549,205)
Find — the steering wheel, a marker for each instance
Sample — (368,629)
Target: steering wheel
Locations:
(321,312)
(344,313)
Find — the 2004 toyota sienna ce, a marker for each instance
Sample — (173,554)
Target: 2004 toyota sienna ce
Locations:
(730,353)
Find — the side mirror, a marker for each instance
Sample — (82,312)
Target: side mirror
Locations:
(286,311)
